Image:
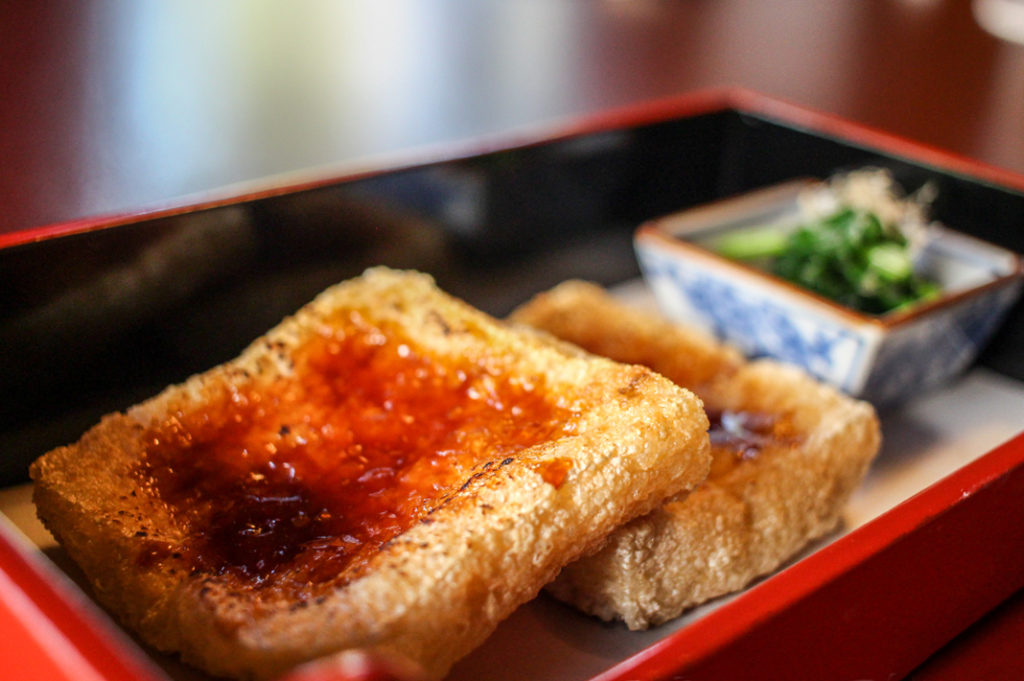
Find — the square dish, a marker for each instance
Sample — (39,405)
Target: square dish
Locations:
(885,359)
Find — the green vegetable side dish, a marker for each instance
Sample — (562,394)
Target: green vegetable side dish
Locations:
(849,256)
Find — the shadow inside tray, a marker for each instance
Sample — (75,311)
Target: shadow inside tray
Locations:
(910,433)
(904,439)
(546,639)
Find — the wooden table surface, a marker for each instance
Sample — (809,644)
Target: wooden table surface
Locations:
(124,106)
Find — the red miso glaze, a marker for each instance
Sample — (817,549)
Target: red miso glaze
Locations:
(301,482)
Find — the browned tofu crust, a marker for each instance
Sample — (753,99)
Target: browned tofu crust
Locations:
(751,515)
(495,526)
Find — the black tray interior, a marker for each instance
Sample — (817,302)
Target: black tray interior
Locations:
(95,322)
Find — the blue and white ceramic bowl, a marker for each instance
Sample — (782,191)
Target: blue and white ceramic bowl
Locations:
(884,359)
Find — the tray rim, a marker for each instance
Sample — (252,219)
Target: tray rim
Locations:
(683,105)
(32,586)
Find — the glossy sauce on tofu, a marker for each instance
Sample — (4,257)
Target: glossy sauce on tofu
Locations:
(738,436)
(300,481)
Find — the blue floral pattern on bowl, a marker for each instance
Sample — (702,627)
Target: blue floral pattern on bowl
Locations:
(756,323)
(882,359)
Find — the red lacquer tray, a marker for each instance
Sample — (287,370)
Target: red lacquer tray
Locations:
(933,542)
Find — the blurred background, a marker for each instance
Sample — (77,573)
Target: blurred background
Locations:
(115,106)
